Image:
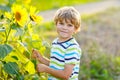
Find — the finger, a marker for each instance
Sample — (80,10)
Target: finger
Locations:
(38,68)
(33,50)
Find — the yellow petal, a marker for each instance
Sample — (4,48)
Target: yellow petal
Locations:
(32,10)
(8,15)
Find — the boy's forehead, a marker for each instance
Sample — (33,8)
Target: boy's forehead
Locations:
(65,20)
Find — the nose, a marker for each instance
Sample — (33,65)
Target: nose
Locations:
(65,27)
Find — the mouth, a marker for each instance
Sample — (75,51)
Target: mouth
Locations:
(63,31)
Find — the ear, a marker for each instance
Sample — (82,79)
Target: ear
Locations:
(75,30)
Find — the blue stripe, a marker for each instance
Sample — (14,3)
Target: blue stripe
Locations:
(72,58)
(63,46)
(53,67)
(76,68)
(58,54)
(49,79)
(57,59)
(74,73)
(69,54)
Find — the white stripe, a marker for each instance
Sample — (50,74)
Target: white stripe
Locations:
(58,46)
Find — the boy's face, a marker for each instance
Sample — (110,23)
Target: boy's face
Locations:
(65,29)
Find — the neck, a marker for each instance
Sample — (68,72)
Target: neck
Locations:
(63,39)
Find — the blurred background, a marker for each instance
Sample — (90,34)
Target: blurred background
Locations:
(99,37)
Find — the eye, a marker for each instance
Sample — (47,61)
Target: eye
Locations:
(70,25)
(61,23)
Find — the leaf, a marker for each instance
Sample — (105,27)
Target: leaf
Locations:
(14,26)
(2,52)
(14,57)
(2,30)
(11,57)
(34,61)
(11,68)
(23,45)
(30,67)
(5,8)
(1,17)
(36,77)
(19,77)
(8,48)
(5,50)
(11,1)
(19,32)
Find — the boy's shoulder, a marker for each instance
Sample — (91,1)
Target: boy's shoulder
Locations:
(72,43)
(67,44)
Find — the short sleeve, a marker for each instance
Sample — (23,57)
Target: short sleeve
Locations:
(72,55)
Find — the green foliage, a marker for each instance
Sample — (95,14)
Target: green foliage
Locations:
(96,65)
(47,4)
(52,4)
(17,39)
(11,68)
(48,26)
(5,49)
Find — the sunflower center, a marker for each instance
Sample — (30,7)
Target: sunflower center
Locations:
(34,18)
(18,16)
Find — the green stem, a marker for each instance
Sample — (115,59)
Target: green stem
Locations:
(20,38)
(7,35)
(1,78)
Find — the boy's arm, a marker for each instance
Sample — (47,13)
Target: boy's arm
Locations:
(44,60)
(63,74)
(39,57)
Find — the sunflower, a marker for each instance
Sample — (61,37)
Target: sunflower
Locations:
(8,15)
(20,14)
(34,17)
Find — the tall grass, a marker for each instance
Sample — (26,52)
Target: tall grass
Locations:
(51,4)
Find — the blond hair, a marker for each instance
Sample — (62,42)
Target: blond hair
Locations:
(68,13)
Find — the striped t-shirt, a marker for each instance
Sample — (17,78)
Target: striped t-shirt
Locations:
(67,52)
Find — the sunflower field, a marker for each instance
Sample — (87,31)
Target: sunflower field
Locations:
(17,39)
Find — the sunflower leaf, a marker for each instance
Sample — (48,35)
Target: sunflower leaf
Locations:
(5,8)
(29,67)
(5,50)
(11,68)
(19,32)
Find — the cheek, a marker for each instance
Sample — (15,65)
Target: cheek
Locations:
(58,27)
(72,30)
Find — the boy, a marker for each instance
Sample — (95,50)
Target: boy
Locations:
(65,53)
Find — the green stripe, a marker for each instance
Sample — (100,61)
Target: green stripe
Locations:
(53,62)
(56,48)
(73,78)
(71,49)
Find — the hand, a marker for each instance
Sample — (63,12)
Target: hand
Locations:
(41,67)
(36,54)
